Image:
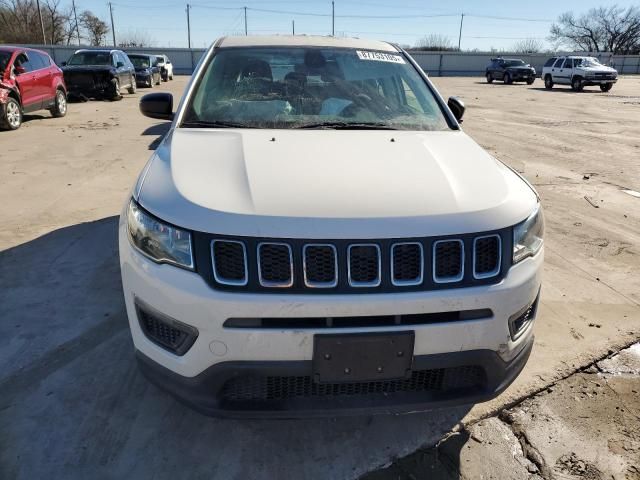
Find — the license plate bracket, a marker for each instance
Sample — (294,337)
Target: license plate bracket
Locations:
(340,358)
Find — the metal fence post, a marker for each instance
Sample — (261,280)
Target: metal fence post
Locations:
(440,66)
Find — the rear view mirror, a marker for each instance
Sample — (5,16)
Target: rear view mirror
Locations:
(157,105)
(457,107)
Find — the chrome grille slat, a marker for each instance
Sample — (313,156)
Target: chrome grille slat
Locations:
(451,251)
(316,267)
(360,264)
(226,264)
(403,268)
(279,272)
(486,256)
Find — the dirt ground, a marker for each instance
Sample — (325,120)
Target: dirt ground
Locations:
(69,379)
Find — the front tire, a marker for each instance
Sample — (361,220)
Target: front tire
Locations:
(59,108)
(115,90)
(489,77)
(530,81)
(507,79)
(605,87)
(11,117)
(132,86)
(576,84)
(548,82)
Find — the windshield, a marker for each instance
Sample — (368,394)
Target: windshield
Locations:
(588,62)
(140,61)
(160,60)
(514,63)
(90,58)
(295,87)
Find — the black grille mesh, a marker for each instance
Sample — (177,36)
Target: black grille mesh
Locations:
(407,262)
(320,264)
(364,263)
(448,259)
(487,254)
(275,263)
(229,261)
(169,334)
(274,388)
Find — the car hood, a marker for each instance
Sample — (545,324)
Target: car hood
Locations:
(331,184)
(523,67)
(86,68)
(601,69)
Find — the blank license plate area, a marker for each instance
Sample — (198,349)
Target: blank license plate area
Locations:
(362,357)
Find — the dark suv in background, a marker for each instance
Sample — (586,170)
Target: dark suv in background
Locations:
(99,74)
(510,70)
(29,81)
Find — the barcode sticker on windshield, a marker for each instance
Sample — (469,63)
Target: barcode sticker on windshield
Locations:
(379,56)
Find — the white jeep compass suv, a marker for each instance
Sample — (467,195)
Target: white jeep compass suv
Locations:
(317,235)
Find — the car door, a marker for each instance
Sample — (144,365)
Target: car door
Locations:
(27,82)
(566,71)
(118,63)
(44,77)
(556,71)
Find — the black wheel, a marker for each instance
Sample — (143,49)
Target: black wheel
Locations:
(605,87)
(489,77)
(115,89)
(548,82)
(507,78)
(530,80)
(171,77)
(59,108)
(132,86)
(576,84)
(11,115)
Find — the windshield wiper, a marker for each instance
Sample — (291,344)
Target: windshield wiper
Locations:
(212,124)
(348,126)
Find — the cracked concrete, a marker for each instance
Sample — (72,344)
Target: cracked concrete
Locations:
(586,427)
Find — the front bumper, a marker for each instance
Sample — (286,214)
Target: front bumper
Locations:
(220,353)
(210,394)
(144,79)
(590,82)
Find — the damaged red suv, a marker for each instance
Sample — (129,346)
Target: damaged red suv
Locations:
(29,81)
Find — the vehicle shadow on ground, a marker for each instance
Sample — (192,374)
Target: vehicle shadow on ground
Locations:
(70,380)
(159,130)
(565,90)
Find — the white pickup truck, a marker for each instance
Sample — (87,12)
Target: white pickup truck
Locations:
(579,72)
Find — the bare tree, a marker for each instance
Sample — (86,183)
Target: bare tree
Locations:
(19,22)
(135,38)
(95,29)
(528,45)
(435,42)
(605,29)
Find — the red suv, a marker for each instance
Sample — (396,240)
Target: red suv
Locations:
(29,81)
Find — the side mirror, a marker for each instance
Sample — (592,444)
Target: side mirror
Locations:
(119,64)
(457,107)
(19,69)
(157,105)
(64,64)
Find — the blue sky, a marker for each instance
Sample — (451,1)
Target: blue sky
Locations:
(164,21)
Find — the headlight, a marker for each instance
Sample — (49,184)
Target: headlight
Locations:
(161,242)
(527,236)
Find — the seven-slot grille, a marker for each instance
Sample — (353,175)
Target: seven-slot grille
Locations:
(343,266)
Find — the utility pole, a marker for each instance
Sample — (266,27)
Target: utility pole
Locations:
(460,34)
(73,3)
(113,28)
(188,26)
(44,38)
(333,18)
(293,27)
(246,32)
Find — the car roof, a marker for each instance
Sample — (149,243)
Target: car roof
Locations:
(303,41)
(11,48)
(99,50)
